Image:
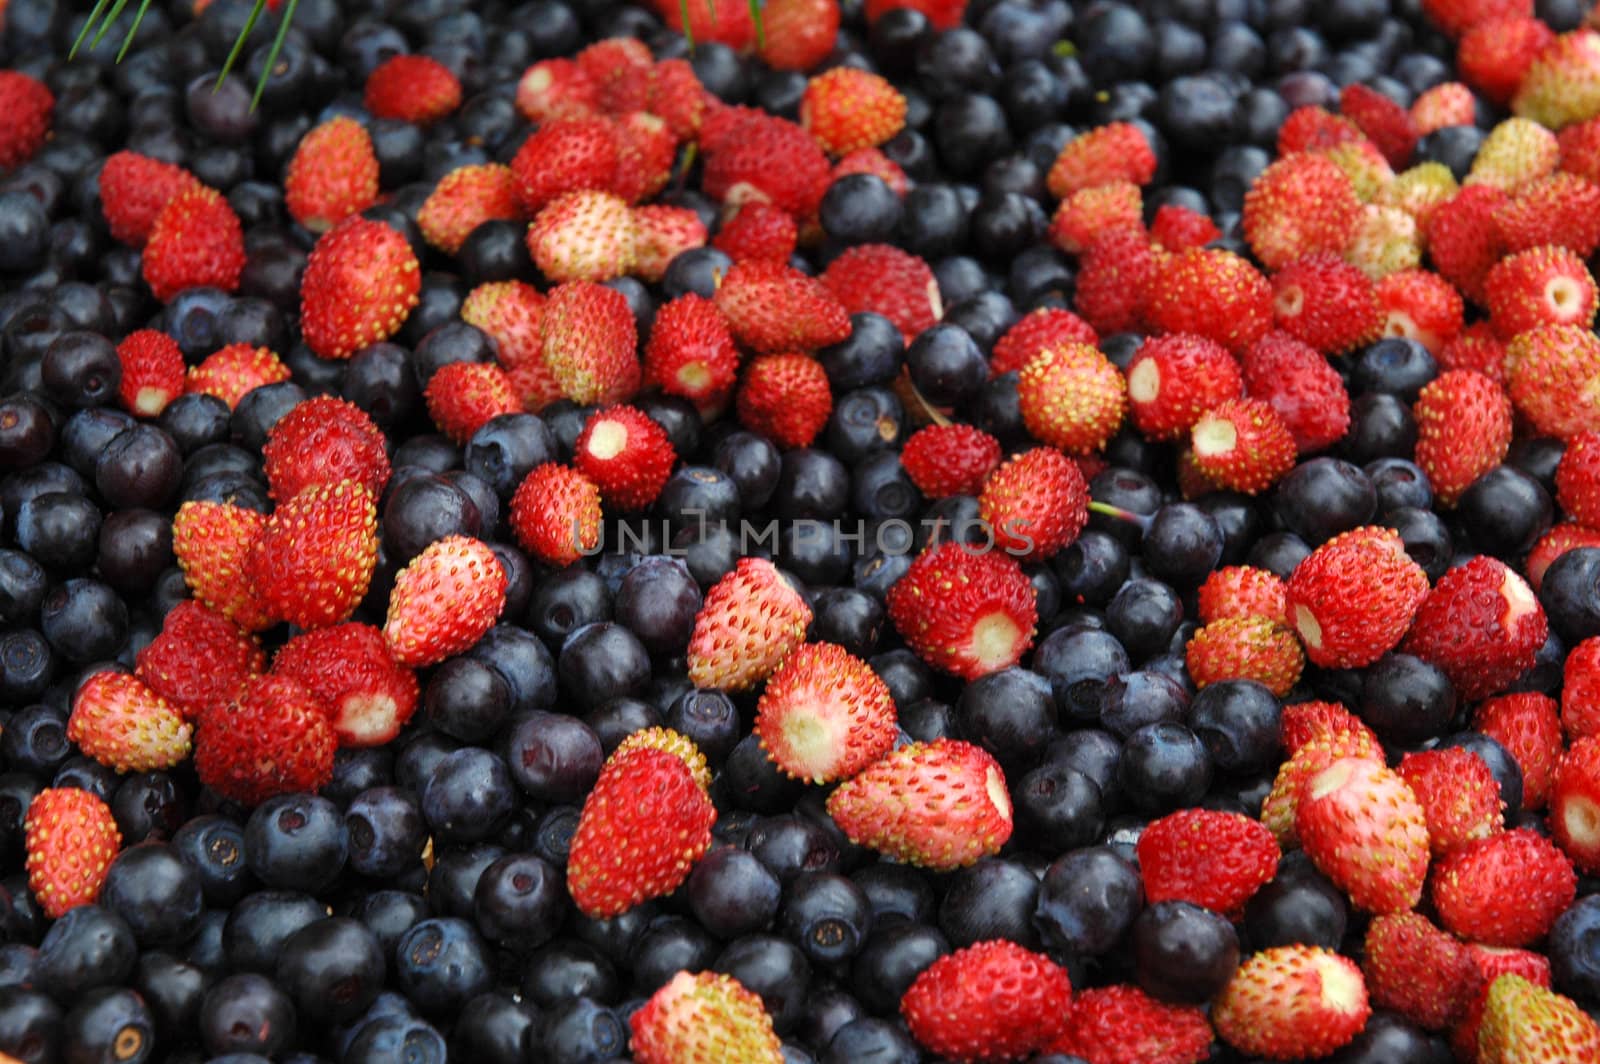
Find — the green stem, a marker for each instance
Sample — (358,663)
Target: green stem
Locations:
(1119,513)
(761,31)
(688,31)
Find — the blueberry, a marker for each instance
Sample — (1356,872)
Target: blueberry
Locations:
(1238,723)
(577,1031)
(994,898)
(1183,953)
(214,847)
(386,832)
(1570,594)
(332,970)
(493,1028)
(1087,899)
(155,892)
(519,901)
(109,1023)
(296,842)
(566,969)
(1575,950)
(442,964)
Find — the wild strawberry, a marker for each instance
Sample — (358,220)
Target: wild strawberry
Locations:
(1562,85)
(1562,537)
(1578,478)
(1515,152)
(200,659)
(230,373)
(1575,804)
(1304,722)
(1297,382)
(703,1016)
(583,236)
(1172,380)
(552,90)
(1088,211)
(708,21)
(412,88)
(785,398)
(1212,859)
(443,601)
(1353,598)
(799,33)
(510,313)
(1481,624)
(462,397)
(1292,1002)
(646,150)
(313,560)
(1580,689)
(1475,348)
(332,175)
(678,98)
(942,14)
(1035,332)
(196,241)
(1492,963)
(1179,228)
(885,280)
(1242,591)
(1366,831)
(1300,205)
(369,697)
(590,341)
(766,159)
(944,460)
(846,108)
(1505,890)
(1448,104)
(1363,164)
(1456,17)
(758,230)
(1315,130)
(940,805)
(674,743)
(1579,144)
(986,610)
(1243,445)
(773,307)
(134,188)
(1557,209)
(464,199)
(1113,152)
(1552,373)
(1494,55)
(212,542)
(1420,305)
(1386,241)
(1524,1022)
(1036,503)
(324,440)
(71,840)
(1417,970)
(569,155)
(1115,275)
(621,68)
(1245,648)
(1123,1025)
(1325,302)
(27,104)
(1464,240)
(117,720)
(1072,397)
(872,161)
(152,372)
(1528,725)
(1420,191)
(1310,760)
(625,453)
(992,1000)
(825,715)
(751,619)
(1458,794)
(660,234)
(691,352)
(642,828)
(273,739)
(360,284)
(1385,122)
(1212,293)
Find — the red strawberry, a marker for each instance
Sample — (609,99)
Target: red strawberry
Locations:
(1090,211)
(463,397)
(1464,240)
(1245,648)
(661,233)
(552,90)
(1458,795)
(1316,129)
(944,460)
(621,67)
(703,1016)
(1179,228)
(873,161)
(568,155)
(1578,478)
(1353,598)
(212,542)
(1292,1002)
(443,601)
(1481,624)
(799,33)
(1385,122)
(1114,279)
(1243,445)
(646,151)
(152,372)
(1302,387)
(117,720)
(678,98)
(368,695)
(885,280)
(1542,286)
(1558,209)
(1475,348)
(991,1000)
(1173,380)
(590,341)
(1300,205)
(360,284)
(134,188)
(758,230)
(1114,152)
(1419,305)
(71,841)
(1524,1022)
(230,373)
(1242,591)
(1580,149)
(313,560)
(1417,970)
(1528,725)
(27,104)
(1456,17)
(200,659)
(333,174)
(1124,1025)
(785,398)
(1494,55)
(1447,104)
(510,312)
(985,615)
(1072,397)
(583,236)
(324,440)
(825,715)
(1561,85)
(627,454)
(1505,890)
(773,307)
(412,88)
(734,28)
(1366,831)
(1463,430)
(674,743)
(1324,301)
(691,352)
(1552,372)
(1036,503)
(1304,722)
(642,828)
(195,241)
(766,159)
(941,14)
(464,199)
(940,805)
(751,619)
(847,108)
(1562,537)
(1211,293)
(273,739)
(1575,804)
(1580,689)
(1035,332)
(1212,859)
(1491,964)
(1310,760)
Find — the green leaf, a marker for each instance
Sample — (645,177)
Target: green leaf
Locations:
(277,46)
(238,45)
(88,25)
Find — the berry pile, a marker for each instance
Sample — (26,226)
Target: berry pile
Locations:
(924,530)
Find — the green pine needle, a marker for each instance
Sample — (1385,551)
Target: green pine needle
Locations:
(277,46)
(127,42)
(755,16)
(688,33)
(238,45)
(99,35)
(94,16)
